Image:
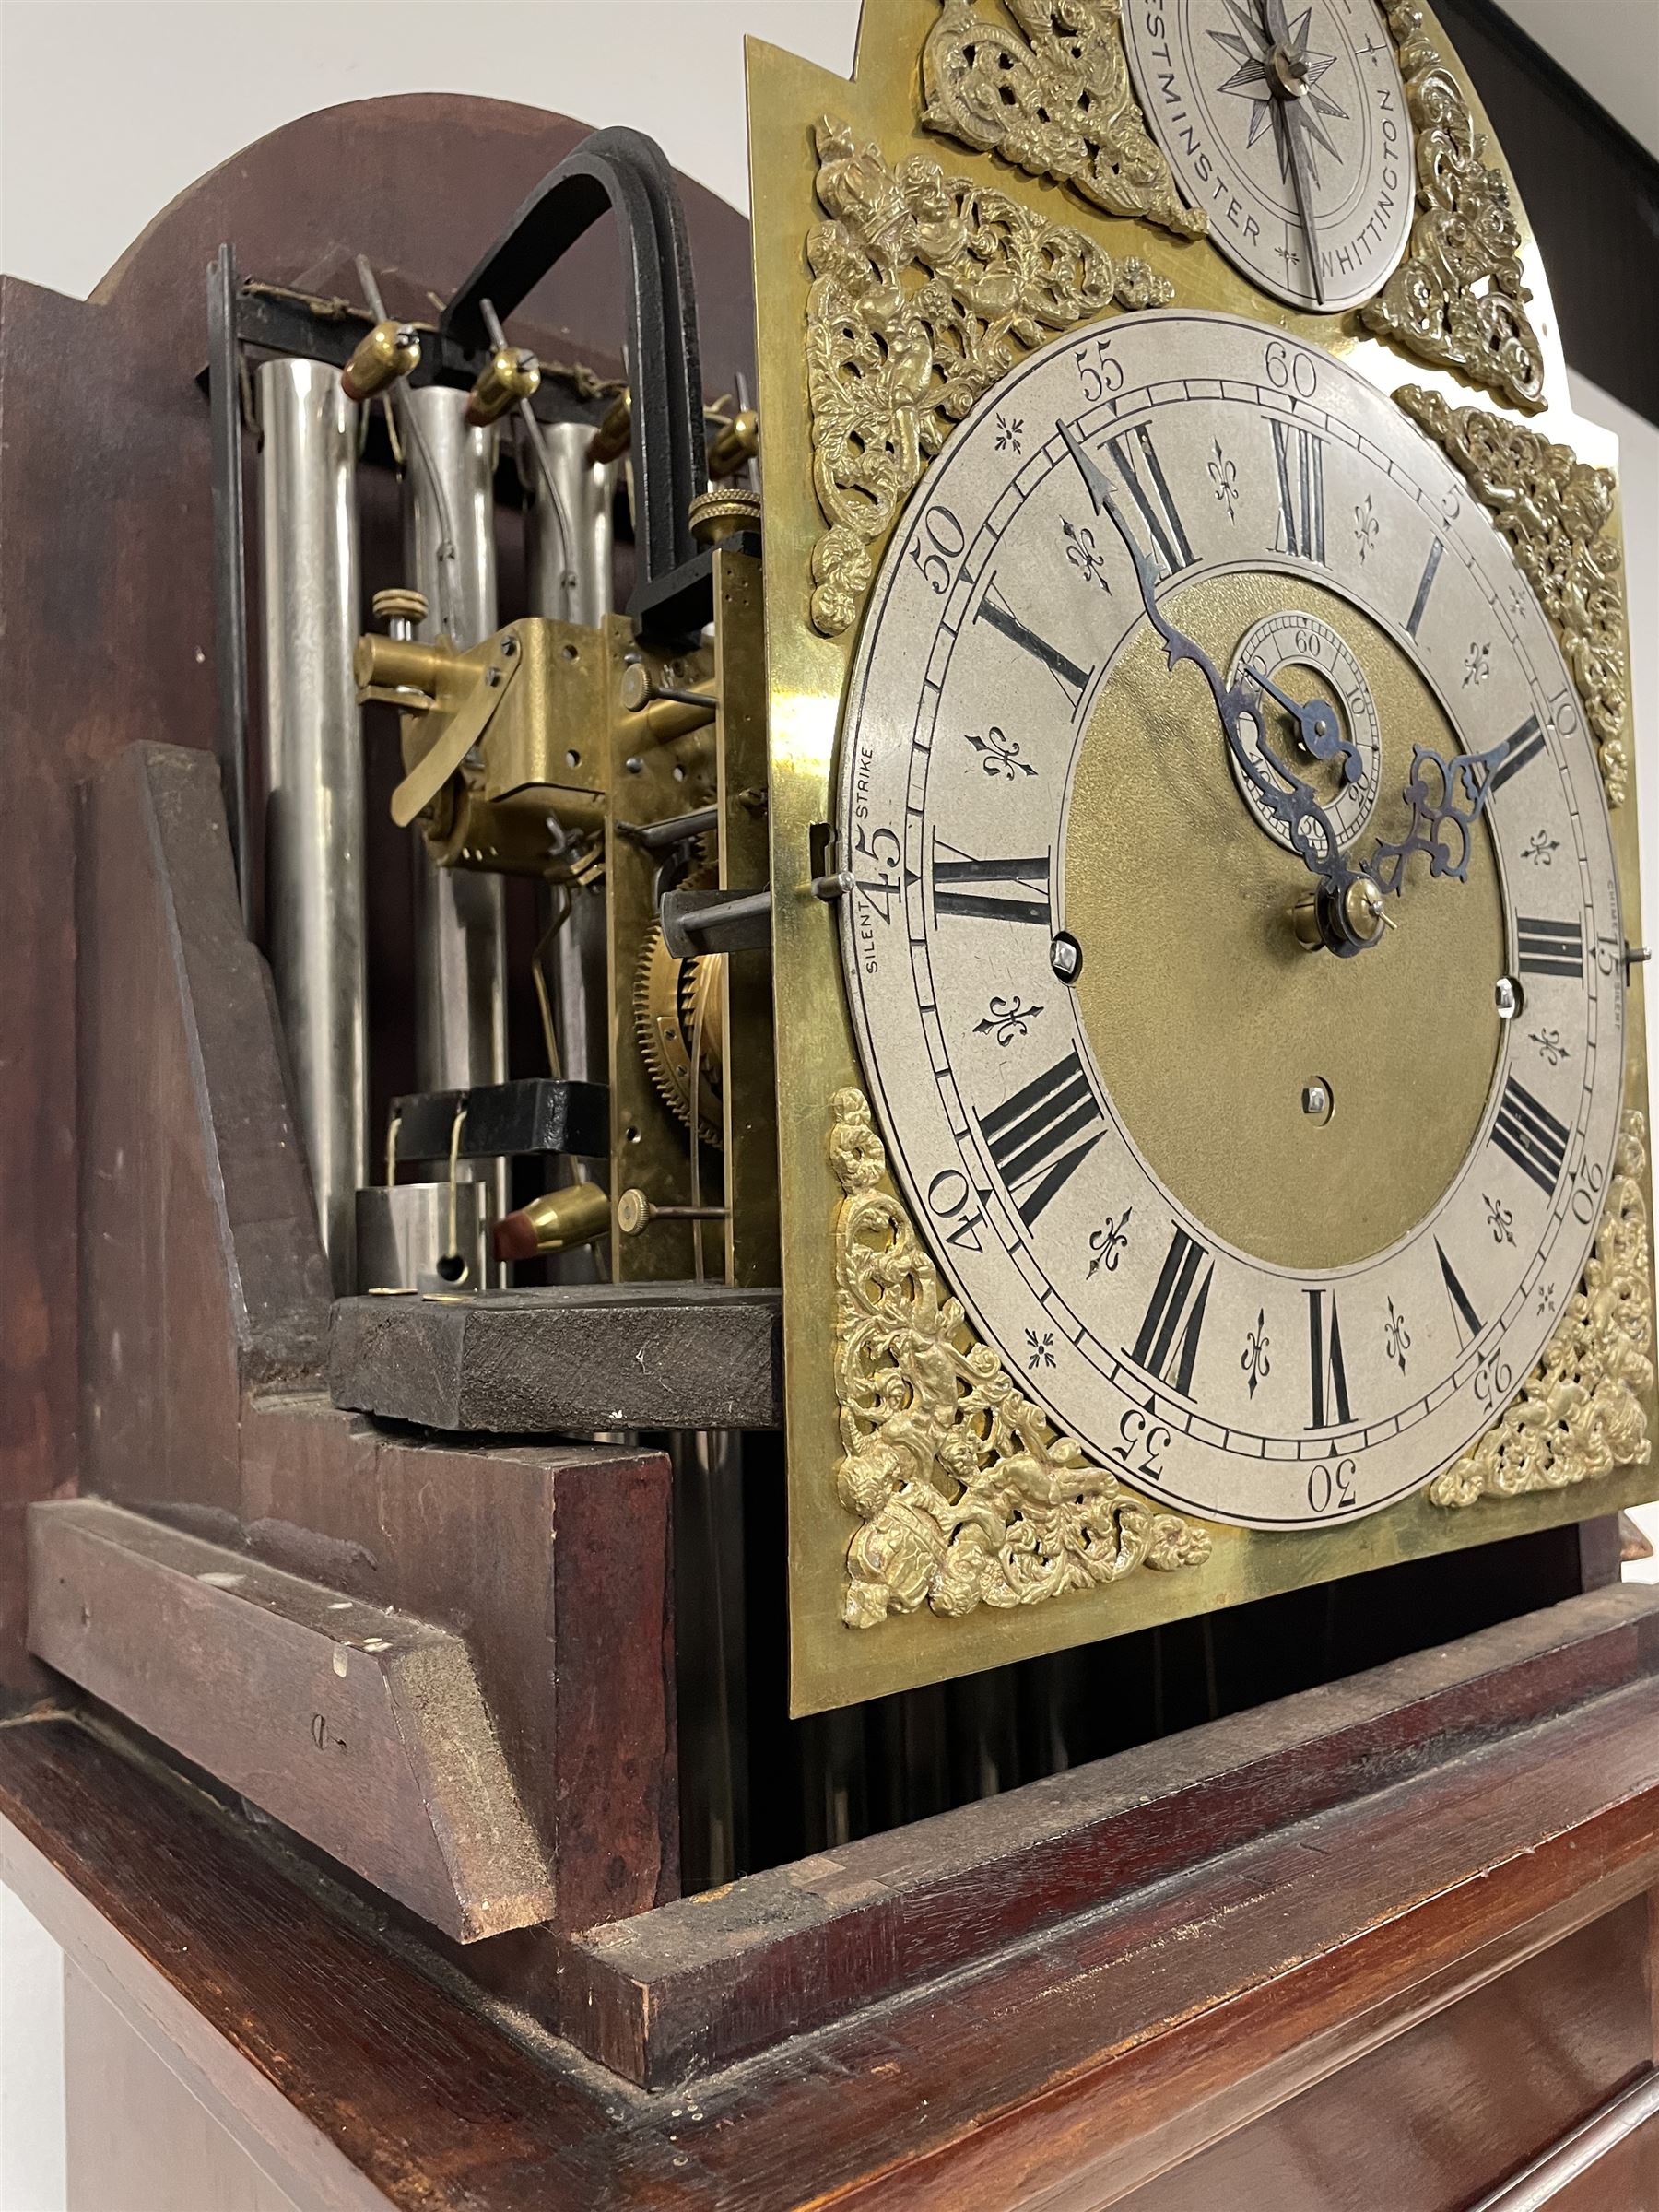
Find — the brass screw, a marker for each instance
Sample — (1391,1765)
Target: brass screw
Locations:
(635,1212)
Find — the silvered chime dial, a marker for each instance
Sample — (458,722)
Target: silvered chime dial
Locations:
(1288,126)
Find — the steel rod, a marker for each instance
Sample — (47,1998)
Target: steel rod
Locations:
(230,580)
(460,916)
(314,927)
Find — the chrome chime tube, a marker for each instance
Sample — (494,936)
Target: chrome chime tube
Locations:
(314,925)
(568,552)
(460,916)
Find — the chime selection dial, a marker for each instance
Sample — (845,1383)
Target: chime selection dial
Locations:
(1288,126)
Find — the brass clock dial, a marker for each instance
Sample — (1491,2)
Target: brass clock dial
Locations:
(1235,956)
(1288,125)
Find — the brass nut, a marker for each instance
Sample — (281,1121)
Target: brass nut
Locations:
(611,440)
(510,374)
(633,1211)
(390,351)
(717,515)
(736,444)
(400,605)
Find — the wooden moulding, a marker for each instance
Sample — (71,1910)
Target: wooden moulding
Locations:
(361,1728)
(701,1984)
(564,1360)
(1492,1904)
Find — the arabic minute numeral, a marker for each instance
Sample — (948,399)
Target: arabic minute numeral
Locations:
(947,542)
(1290,371)
(1492,1380)
(1099,371)
(950,1198)
(1587,1192)
(1144,1443)
(881,849)
(1331,1486)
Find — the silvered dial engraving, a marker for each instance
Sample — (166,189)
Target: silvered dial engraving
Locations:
(1242,1194)
(1288,125)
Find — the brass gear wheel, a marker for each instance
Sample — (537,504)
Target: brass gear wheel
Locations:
(665,1001)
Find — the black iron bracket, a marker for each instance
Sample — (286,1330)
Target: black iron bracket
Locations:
(625,172)
(541,1113)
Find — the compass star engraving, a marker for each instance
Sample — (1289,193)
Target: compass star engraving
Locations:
(1259,55)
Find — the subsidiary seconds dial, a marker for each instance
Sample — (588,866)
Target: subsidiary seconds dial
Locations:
(1272,1223)
(1287,124)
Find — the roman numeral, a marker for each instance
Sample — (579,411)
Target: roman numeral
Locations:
(1551,947)
(1142,471)
(1329,1375)
(1031,1136)
(1168,1343)
(1436,554)
(1531,1137)
(1525,745)
(1463,1309)
(1300,458)
(972,888)
(994,609)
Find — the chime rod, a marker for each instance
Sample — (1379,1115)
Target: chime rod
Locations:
(314,768)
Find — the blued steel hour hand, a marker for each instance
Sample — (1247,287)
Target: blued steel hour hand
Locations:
(1318,725)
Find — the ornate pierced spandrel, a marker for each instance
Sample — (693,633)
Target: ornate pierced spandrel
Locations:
(926,287)
(965,1496)
(1579,1414)
(1457,299)
(1045,85)
(1554,510)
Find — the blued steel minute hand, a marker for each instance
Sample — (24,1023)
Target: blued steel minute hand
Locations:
(1311,831)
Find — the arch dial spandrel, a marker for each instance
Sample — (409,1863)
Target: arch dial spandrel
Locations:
(1233,956)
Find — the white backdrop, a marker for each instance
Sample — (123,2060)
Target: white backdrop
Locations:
(110,108)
